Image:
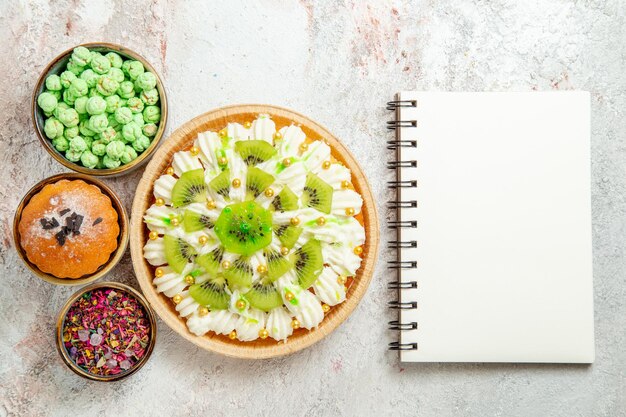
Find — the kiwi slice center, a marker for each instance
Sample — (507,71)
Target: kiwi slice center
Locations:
(244,228)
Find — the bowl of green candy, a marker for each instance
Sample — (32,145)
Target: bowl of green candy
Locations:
(100,109)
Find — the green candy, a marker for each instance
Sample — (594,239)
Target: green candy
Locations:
(48,102)
(78,88)
(149,129)
(81,56)
(80,105)
(146,81)
(109,162)
(138,118)
(152,114)
(131,131)
(68,98)
(89,77)
(88,159)
(106,85)
(69,117)
(117,74)
(135,69)
(123,115)
(113,121)
(71,132)
(98,123)
(66,78)
(94,92)
(53,82)
(84,128)
(115,60)
(60,107)
(55,93)
(78,144)
(61,144)
(126,89)
(128,155)
(115,149)
(135,104)
(98,148)
(141,143)
(109,134)
(96,105)
(73,156)
(74,67)
(150,97)
(53,128)
(113,103)
(100,64)
(89,140)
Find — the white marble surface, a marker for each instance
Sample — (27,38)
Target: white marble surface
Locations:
(338,62)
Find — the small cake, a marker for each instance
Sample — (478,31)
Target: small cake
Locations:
(254,232)
(69,229)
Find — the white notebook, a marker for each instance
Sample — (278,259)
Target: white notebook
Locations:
(497,257)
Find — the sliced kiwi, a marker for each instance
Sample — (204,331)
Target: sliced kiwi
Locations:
(211,261)
(264,296)
(194,221)
(308,263)
(221,184)
(178,253)
(257,181)
(254,151)
(277,265)
(288,234)
(240,273)
(317,193)
(285,200)
(244,228)
(190,188)
(211,293)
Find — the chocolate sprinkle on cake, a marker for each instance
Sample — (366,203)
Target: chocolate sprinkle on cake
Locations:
(98,220)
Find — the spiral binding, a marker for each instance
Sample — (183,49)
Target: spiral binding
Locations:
(398,205)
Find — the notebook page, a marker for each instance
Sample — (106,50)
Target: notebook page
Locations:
(504,227)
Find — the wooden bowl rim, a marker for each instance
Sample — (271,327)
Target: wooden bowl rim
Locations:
(122,218)
(182,138)
(105,172)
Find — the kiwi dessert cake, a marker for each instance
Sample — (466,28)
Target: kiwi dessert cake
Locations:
(254,231)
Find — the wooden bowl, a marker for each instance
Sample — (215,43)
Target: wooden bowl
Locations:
(122,239)
(65,354)
(182,139)
(56,66)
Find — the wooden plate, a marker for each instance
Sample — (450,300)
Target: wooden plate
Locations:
(183,138)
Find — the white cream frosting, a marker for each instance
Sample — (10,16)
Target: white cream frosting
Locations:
(154,252)
(248,326)
(163,187)
(328,289)
(279,324)
(184,161)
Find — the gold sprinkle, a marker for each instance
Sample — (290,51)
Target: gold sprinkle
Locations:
(236,183)
(153,235)
(325,308)
(240,304)
(225,264)
(269,192)
(159,202)
(223,133)
(304,147)
(294,221)
(284,251)
(194,151)
(278,136)
(159,272)
(289,296)
(174,222)
(263,334)
(247,125)
(189,279)
(349,211)
(232,335)
(341,279)
(169,171)
(358,250)
(177,298)
(222,160)
(326,164)
(321,221)
(261,269)
(210,204)
(295,324)
(203,311)
(287,162)
(203,240)
(345,184)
